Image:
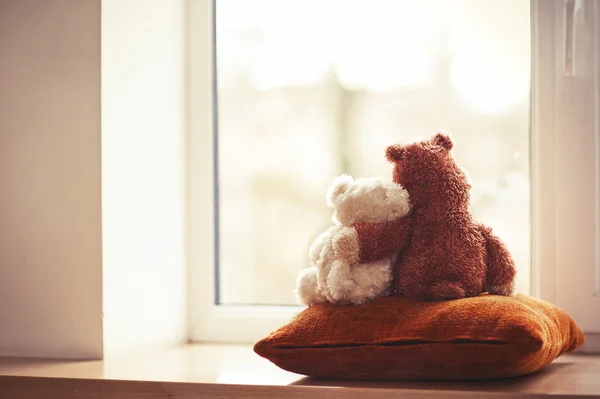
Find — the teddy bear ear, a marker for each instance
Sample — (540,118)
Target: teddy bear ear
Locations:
(443,140)
(340,185)
(394,153)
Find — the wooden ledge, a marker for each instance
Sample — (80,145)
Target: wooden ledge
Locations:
(225,371)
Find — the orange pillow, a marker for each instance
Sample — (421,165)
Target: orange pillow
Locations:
(395,338)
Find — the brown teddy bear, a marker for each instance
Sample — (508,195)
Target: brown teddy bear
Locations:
(441,252)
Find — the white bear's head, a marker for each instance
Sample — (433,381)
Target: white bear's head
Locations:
(372,200)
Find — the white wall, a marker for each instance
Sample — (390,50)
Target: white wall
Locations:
(143,168)
(50,227)
(92,171)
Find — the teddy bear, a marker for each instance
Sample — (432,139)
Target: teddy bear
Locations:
(330,279)
(441,252)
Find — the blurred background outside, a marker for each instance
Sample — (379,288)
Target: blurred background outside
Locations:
(311,89)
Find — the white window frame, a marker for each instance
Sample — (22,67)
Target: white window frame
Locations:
(246,324)
(565,156)
(207,321)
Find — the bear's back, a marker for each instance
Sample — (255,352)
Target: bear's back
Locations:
(442,261)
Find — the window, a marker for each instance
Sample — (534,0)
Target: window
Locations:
(565,156)
(306,91)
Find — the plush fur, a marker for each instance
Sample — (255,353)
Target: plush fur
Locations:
(335,275)
(366,200)
(441,252)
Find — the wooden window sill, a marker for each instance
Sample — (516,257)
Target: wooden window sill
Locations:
(224,371)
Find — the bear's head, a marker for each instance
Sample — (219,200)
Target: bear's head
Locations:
(370,200)
(429,173)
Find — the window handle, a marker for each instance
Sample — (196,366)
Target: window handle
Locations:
(572,10)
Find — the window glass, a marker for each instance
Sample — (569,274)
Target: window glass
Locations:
(308,90)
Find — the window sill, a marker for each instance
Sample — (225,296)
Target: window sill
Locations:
(232,371)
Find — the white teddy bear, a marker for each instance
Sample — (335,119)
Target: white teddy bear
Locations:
(332,280)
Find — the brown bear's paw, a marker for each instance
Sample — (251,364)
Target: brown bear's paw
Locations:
(345,244)
(445,290)
(506,289)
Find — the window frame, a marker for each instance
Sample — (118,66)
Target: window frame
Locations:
(564,242)
(566,159)
(542,153)
(208,321)
(246,324)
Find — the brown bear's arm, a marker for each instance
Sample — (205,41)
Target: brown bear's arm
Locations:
(380,240)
